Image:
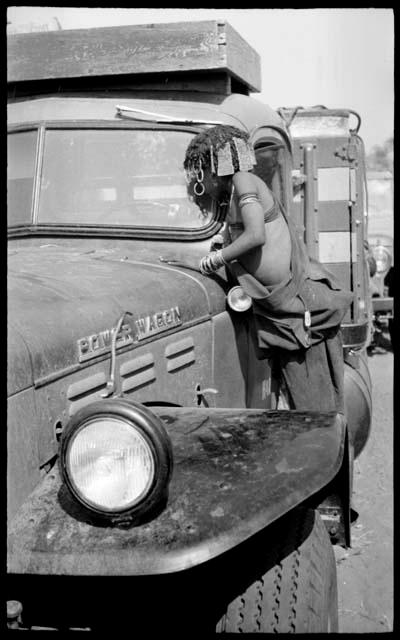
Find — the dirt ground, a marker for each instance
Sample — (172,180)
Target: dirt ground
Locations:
(365,572)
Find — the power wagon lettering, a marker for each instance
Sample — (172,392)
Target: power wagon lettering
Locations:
(158,322)
(99,343)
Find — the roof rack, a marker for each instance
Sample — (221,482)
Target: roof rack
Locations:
(191,55)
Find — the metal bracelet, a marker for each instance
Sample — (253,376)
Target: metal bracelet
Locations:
(212,262)
(219,259)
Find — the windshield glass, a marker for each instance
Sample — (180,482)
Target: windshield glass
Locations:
(117,177)
(21,153)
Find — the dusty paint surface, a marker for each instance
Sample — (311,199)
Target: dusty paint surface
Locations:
(235,471)
(49,282)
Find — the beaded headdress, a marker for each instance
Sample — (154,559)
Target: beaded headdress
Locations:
(221,162)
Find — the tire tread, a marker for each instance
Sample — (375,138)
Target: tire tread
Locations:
(294,595)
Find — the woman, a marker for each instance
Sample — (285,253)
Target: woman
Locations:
(256,227)
(297,304)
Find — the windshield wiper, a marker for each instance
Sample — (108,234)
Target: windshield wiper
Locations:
(158,117)
(178,263)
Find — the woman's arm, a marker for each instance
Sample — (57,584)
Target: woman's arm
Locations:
(252,215)
(253,235)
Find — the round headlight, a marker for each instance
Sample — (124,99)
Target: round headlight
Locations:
(110,463)
(238,300)
(382,258)
(116,457)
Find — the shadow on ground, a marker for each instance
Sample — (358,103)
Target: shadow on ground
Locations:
(380,344)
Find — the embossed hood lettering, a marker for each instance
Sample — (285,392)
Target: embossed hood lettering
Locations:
(74,301)
(158,322)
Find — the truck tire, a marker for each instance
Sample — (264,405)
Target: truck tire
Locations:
(296,595)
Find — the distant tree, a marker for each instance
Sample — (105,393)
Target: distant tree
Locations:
(381,157)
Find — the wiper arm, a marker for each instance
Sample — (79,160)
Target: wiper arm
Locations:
(179,263)
(158,117)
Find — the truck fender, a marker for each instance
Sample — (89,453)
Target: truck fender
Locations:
(235,472)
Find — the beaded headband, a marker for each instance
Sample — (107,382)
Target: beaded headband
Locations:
(245,154)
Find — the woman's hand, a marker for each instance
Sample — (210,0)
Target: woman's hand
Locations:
(217,242)
(211,262)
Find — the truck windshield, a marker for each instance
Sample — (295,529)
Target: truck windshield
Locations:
(117,177)
(21,153)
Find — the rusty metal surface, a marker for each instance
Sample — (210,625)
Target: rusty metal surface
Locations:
(52,282)
(20,375)
(23,435)
(101,278)
(235,471)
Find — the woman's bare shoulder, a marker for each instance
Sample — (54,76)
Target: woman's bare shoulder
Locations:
(245,182)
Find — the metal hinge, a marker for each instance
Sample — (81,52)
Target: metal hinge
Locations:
(347,153)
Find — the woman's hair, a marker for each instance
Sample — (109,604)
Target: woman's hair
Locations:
(199,149)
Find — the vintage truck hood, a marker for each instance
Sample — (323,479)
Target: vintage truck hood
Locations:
(58,295)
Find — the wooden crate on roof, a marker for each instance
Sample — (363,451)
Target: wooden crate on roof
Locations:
(194,49)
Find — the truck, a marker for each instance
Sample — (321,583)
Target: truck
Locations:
(380,239)
(155,480)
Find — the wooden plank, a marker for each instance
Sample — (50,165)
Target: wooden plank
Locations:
(144,49)
(242,60)
(205,82)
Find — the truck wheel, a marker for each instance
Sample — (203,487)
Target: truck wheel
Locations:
(296,595)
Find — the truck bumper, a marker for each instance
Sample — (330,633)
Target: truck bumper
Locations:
(235,472)
(383,306)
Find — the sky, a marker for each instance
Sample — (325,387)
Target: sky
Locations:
(341,58)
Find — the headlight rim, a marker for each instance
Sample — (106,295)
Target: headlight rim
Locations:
(377,252)
(152,430)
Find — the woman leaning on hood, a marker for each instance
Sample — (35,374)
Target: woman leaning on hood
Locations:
(297,304)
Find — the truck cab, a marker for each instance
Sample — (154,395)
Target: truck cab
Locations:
(148,452)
